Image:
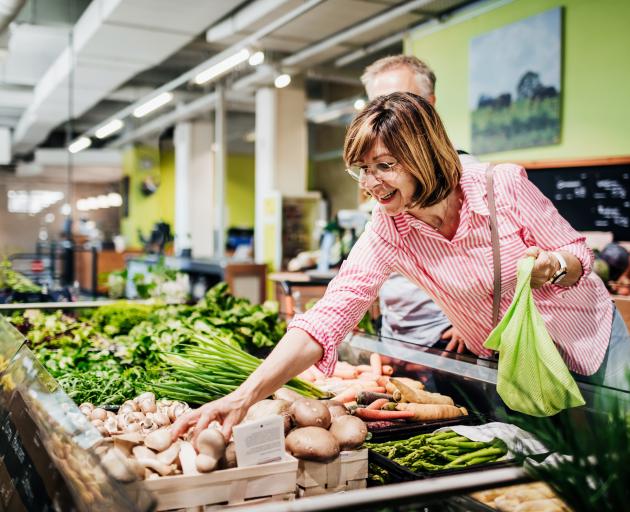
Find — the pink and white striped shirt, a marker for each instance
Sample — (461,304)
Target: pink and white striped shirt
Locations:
(458,273)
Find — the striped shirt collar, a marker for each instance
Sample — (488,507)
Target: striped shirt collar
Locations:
(395,228)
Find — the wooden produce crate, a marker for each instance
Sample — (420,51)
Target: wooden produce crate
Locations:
(347,472)
(237,486)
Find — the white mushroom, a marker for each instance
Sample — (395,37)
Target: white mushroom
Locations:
(169,455)
(159,440)
(187,456)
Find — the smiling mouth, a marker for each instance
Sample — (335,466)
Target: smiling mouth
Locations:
(387,196)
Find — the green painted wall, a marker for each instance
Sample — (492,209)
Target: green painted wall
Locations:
(596,76)
(240,191)
(139,163)
(142,161)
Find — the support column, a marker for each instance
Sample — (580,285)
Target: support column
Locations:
(194,188)
(281,164)
(220,159)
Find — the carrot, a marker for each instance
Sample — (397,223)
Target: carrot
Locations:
(377,404)
(344,373)
(362,368)
(364,384)
(307,375)
(366,398)
(427,412)
(348,395)
(378,389)
(387,370)
(370,414)
(376,364)
(317,372)
(383,380)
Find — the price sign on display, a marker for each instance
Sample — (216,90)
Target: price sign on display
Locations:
(258,442)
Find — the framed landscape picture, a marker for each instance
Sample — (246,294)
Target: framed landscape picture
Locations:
(515,84)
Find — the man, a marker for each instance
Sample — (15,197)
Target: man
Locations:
(407,312)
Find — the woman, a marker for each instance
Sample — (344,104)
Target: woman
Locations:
(433,227)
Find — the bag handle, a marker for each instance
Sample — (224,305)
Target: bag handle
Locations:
(496,255)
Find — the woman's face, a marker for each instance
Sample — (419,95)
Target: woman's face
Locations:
(394,189)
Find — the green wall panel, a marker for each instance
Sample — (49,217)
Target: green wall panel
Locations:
(240,195)
(144,211)
(595,85)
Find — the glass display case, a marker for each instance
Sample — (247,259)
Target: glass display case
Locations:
(47,458)
(36,414)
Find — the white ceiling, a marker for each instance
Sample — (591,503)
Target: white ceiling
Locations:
(125,48)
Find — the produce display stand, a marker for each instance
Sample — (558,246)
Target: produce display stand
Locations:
(347,472)
(470,382)
(46,444)
(274,481)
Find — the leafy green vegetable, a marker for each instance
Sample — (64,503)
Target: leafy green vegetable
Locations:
(115,352)
(14,281)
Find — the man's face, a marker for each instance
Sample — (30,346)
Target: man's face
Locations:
(398,79)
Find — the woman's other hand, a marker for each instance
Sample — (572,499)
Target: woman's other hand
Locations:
(228,411)
(545,266)
(455,340)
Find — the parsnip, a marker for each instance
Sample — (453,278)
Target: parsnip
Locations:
(428,412)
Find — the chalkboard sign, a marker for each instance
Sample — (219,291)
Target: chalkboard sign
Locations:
(591,197)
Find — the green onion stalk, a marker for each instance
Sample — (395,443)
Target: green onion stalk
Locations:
(207,368)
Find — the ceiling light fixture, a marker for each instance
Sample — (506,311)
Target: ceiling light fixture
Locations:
(80,144)
(256,59)
(359,104)
(115,199)
(107,129)
(153,104)
(221,67)
(282,81)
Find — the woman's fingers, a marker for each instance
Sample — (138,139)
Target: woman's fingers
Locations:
(544,268)
(184,422)
(532,251)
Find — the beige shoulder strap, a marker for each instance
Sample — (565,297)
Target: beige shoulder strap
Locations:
(496,255)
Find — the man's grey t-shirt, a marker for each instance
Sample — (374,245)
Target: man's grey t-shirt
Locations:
(409,314)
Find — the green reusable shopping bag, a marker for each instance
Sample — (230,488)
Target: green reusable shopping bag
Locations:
(532,377)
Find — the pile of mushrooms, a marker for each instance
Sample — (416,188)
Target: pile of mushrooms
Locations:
(315,429)
(137,441)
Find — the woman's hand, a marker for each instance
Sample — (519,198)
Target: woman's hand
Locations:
(545,266)
(228,411)
(456,341)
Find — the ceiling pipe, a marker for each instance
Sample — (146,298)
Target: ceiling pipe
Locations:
(359,29)
(371,48)
(191,73)
(190,110)
(242,19)
(9,9)
(429,26)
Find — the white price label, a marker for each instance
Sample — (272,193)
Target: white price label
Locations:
(258,442)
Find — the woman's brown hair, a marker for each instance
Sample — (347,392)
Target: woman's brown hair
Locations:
(411,130)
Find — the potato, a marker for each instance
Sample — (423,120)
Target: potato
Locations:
(312,443)
(336,408)
(310,413)
(349,431)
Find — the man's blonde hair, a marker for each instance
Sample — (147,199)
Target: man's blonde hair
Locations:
(424,75)
(411,130)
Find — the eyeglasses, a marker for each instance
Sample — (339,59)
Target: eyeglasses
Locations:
(380,170)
